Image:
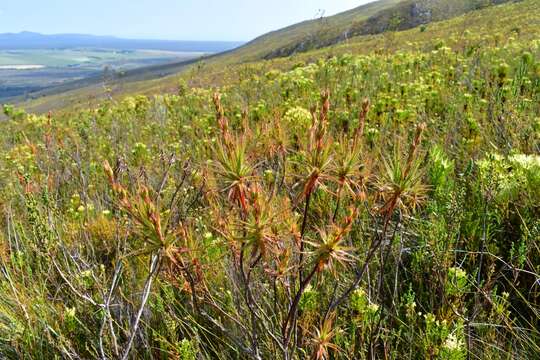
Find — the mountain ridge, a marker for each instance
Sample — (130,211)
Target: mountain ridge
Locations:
(28,40)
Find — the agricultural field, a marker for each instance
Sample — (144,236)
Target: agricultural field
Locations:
(87,58)
(377,199)
(26,71)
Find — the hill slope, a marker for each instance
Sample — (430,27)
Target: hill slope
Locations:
(351,28)
(373,18)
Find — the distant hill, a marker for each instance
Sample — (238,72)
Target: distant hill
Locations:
(370,19)
(32,40)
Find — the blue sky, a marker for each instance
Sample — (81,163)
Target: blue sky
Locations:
(163,19)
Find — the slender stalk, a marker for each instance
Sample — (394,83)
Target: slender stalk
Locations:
(291,315)
(249,302)
(154,266)
(107,316)
(338,202)
(302,233)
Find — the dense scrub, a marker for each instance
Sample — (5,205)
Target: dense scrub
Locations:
(362,206)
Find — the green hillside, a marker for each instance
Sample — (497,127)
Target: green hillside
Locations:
(304,35)
(350,26)
(374,199)
(373,18)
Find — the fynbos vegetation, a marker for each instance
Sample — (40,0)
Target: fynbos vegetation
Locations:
(380,206)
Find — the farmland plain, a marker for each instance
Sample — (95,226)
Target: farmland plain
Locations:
(25,71)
